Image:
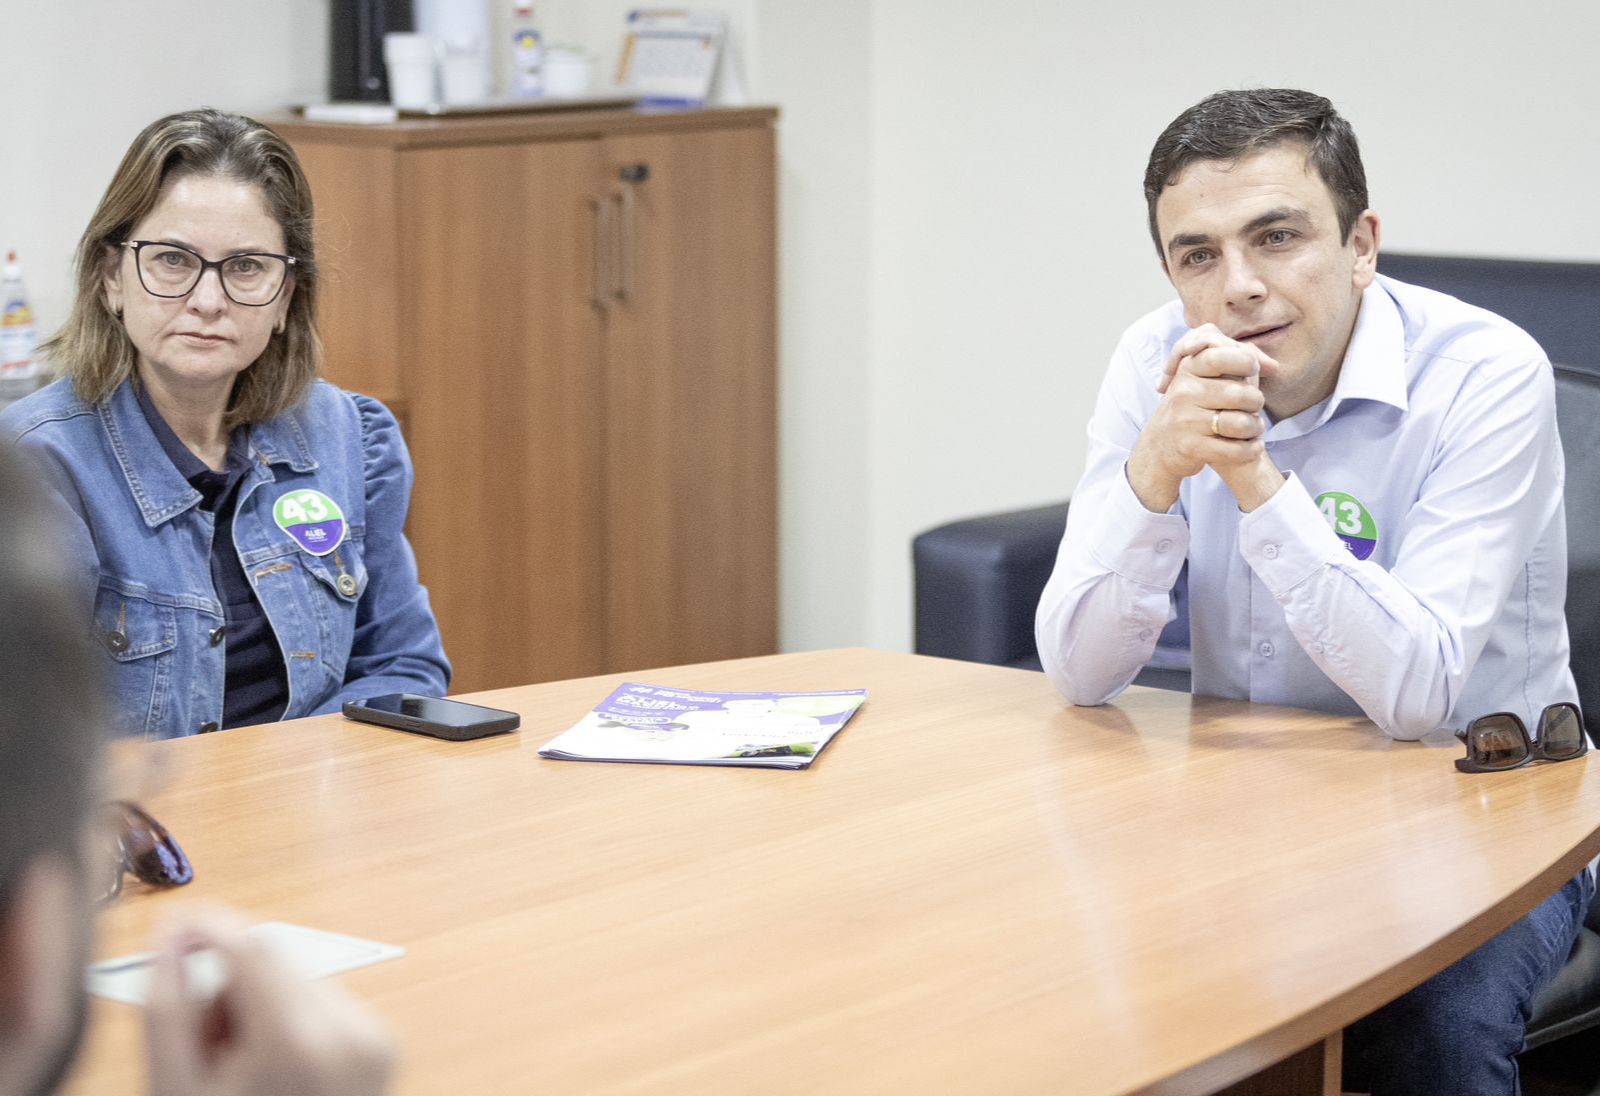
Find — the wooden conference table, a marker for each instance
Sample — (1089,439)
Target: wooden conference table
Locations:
(974,889)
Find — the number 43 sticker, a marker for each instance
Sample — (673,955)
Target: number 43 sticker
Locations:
(1351,522)
(313,519)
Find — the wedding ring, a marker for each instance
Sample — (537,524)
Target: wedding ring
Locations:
(1216,423)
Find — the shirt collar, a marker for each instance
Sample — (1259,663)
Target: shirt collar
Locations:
(161,490)
(1375,361)
(189,466)
(1374,366)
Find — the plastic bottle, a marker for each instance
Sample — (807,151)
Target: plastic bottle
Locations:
(19,339)
(527,53)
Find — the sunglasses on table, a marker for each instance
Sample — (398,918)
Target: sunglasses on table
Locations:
(1500,742)
(142,847)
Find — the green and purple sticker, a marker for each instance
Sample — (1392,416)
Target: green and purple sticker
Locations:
(1351,522)
(313,519)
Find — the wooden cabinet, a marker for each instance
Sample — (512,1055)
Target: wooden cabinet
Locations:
(574,314)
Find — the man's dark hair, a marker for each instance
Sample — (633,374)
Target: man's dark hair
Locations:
(52,726)
(1232,124)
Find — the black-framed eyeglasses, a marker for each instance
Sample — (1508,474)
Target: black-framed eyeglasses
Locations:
(1499,742)
(142,847)
(252,278)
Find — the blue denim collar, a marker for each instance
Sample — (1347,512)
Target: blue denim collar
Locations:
(155,482)
(282,441)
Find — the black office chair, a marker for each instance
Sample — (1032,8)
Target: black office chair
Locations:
(1571,1003)
(977,581)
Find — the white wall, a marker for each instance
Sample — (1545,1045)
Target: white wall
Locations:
(813,59)
(962,230)
(81,77)
(1008,233)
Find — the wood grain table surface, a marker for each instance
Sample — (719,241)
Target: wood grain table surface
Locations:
(974,889)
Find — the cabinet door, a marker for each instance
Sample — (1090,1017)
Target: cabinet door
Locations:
(689,364)
(357,255)
(502,348)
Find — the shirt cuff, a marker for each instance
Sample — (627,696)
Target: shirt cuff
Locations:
(1130,541)
(1286,539)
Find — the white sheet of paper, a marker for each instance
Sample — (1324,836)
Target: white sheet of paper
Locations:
(312,952)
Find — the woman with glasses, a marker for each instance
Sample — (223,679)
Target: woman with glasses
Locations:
(236,520)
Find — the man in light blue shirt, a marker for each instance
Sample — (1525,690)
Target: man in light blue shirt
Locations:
(1335,491)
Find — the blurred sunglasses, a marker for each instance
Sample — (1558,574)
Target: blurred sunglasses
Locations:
(1499,742)
(142,847)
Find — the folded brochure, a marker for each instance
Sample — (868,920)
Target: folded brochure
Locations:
(663,725)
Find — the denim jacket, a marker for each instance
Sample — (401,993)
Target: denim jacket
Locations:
(351,621)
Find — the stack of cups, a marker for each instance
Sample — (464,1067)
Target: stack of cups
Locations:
(464,71)
(461,31)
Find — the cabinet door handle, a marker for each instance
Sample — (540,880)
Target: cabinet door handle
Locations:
(603,243)
(628,259)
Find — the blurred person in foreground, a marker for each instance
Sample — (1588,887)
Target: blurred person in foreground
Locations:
(267,1031)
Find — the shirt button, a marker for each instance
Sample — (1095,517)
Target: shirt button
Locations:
(1267,649)
(117,642)
(219,634)
(208,726)
(1163,545)
(1144,634)
(1270,551)
(347,585)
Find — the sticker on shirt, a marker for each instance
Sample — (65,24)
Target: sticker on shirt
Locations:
(313,519)
(1351,522)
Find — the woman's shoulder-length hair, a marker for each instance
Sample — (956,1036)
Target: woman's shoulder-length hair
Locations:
(93,347)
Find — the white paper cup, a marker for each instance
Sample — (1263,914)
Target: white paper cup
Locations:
(568,73)
(410,61)
(465,77)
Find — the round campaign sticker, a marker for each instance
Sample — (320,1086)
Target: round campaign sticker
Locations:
(1350,522)
(313,519)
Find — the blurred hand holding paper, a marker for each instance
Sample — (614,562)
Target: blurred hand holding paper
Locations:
(312,952)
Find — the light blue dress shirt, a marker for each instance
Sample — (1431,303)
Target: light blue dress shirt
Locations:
(1412,568)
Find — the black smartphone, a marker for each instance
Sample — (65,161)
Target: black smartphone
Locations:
(432,715)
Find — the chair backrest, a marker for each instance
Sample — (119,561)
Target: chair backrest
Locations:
(1556,303)
(1578,417)
(1559,305)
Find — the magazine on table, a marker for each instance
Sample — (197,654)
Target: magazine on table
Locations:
(659,724)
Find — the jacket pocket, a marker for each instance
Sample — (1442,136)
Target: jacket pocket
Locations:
(338,580)
(140,636)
